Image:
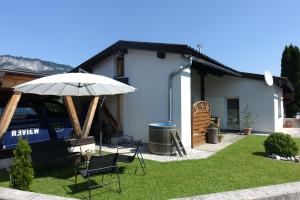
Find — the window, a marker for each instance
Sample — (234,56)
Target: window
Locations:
(233,114)
(55,109)
(24,113)
(120,66)
(21,112)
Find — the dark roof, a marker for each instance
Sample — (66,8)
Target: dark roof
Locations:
(171,48)
(161,47)
(280,81)
(23,73)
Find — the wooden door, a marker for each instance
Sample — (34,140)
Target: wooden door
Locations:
(200,122)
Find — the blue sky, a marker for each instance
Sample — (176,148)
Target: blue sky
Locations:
(247,35)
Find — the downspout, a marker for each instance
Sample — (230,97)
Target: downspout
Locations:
(174,73)
(170,86)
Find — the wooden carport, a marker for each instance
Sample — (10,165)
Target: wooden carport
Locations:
(83,81)
(8,79)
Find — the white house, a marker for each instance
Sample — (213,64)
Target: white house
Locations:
(155,69)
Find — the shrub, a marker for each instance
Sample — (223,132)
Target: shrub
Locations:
(280,144)
(21,171)
(247,118)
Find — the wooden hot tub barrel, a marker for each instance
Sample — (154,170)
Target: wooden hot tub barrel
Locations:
(160,138)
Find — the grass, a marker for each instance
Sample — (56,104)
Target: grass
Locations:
(239,166)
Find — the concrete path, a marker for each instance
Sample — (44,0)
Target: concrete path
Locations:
(11,194)
(287,191)
(192,154)
(201,152)
(294,132)
(228,139)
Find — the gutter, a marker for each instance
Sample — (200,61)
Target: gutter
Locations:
(170,86)
(198,60)
(174,73)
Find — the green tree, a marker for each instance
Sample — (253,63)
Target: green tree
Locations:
(21,171)
(290,68)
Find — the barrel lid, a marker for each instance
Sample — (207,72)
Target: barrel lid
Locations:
(162,124)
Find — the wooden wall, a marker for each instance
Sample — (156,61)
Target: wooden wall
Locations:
(9,80)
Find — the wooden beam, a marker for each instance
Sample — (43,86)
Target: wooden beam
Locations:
(89,117)
(9,112)
(73,115)
(10,80)
(110,117)
(120,112)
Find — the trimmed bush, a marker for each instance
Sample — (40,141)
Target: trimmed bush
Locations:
(21,171)
(280,144)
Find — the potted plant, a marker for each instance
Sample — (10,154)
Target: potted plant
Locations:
(220,137)
(212,133)
(248,121)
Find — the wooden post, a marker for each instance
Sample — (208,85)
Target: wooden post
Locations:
(73,115)
(9,112)
(120,112)
(89,117)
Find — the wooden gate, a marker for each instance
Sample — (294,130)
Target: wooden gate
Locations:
(200,122)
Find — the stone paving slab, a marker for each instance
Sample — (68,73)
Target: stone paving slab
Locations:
(287,191)
(12,194)
(192,154)
(228,139)
(201,152)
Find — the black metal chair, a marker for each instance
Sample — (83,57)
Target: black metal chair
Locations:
(128,157)
(100,165)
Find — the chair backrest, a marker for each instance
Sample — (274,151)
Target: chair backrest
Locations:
(102,162)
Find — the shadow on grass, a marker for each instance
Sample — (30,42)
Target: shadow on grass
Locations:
(131,169)
(55,171)
(4,176)
(80,187)
(77,190)
(261,154)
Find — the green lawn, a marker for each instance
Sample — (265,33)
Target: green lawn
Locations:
(238,166)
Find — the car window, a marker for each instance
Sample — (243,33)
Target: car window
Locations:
(24,113)
(55,108)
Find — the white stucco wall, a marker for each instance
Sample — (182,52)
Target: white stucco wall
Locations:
(255,93)
(149,103)
(107,68)
(278,108)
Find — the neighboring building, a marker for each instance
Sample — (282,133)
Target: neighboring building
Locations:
(10,78)
(147,67)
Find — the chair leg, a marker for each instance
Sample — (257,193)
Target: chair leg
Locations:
(142,159)
(135,170)
(89,187)
(119,182)
(141,165)
(75,177)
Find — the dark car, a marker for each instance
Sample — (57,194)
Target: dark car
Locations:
(37,121)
